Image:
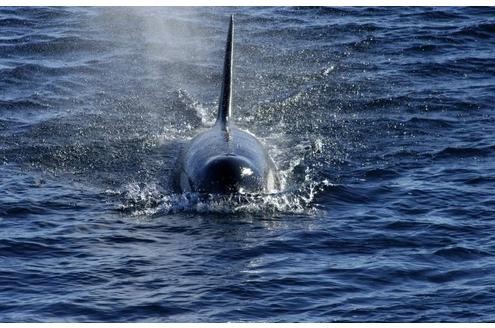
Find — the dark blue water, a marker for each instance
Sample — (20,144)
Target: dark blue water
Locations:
(380,119)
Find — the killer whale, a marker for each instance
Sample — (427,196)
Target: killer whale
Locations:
(226,159)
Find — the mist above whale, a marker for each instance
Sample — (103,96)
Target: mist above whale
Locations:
(226,159)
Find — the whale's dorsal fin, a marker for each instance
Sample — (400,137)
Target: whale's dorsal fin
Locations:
(225,105)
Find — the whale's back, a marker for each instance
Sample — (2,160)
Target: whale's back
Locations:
(226,159)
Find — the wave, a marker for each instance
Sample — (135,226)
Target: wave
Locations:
(16,22)
(58,46)
(461,253)
(434,13)
(460,65)
(378,174)
(423,122)
(478,31)
(39,247)
(22,104)
(428,48)
(25,70)
(455,152)
(480,180)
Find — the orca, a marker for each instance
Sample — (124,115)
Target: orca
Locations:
(226,159)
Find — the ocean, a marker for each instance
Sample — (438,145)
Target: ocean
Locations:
(380,120)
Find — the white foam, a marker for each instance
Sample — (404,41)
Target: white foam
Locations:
(148,200)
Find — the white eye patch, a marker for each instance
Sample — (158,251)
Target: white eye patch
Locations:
(246,171)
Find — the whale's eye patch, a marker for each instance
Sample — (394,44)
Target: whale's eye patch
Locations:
(246,171)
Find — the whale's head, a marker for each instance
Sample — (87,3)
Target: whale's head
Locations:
(230,174)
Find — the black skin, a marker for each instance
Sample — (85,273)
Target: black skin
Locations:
(218,162)
(226,159)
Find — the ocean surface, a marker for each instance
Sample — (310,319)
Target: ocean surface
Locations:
(381,121)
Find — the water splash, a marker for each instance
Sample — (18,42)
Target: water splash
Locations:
(149,200)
